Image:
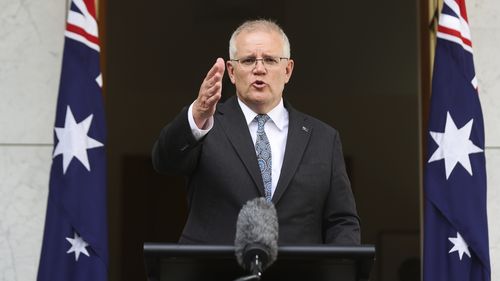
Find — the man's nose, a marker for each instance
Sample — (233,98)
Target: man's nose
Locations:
(259,67)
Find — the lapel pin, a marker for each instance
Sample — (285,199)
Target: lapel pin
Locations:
(305,129)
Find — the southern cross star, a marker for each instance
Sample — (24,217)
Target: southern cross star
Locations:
(77,246)
(459,245)
(454,146)
(74,141)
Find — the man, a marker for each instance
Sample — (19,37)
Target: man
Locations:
(256,145)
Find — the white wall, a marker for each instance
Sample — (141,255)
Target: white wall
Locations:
(484,20)
(31,42)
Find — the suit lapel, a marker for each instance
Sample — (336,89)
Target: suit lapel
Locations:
(233,123)
(299,131)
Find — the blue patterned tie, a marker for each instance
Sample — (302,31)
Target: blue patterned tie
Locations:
(263,149)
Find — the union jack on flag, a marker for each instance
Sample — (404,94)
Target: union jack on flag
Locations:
(75,242)
(455,222)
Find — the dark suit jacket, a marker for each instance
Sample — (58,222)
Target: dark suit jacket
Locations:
(313,197)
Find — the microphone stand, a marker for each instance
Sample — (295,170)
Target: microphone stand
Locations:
(249,277)
(255,268)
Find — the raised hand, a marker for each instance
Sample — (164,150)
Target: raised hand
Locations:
(209,94)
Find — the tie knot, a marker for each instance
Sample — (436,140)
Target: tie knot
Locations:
(261,120)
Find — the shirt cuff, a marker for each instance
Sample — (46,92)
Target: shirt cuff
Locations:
(197,132)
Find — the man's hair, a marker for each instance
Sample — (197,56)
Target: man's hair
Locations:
(258,25)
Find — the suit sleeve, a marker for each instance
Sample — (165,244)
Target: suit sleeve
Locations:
(341,222)
(176,149)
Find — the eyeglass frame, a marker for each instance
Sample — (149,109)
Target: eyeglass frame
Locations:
(254,64)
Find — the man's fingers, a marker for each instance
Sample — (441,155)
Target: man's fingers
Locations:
(212,81)
(221,66)
(212,101)
(206,107)
(214,89)
(218,67)
(212,71)
(210,92)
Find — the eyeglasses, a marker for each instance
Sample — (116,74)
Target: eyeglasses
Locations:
(251,62)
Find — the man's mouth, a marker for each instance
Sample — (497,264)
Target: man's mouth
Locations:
(259,84)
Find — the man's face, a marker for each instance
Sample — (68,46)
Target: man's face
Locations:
(260,86)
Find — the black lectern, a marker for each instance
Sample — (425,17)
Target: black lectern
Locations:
(173,262)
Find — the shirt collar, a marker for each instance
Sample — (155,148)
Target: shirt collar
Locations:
(277,114)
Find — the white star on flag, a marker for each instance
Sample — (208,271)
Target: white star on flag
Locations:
(74,141)
(77,246)
(454,146)
(459,245)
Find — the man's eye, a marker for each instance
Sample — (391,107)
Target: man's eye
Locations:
(270,61)
(248,61)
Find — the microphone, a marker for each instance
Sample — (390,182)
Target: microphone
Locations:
(256,242)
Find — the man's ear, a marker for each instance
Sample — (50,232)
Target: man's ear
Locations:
(230,70)
(289,70)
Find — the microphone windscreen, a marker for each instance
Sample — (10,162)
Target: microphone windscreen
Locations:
(257,225)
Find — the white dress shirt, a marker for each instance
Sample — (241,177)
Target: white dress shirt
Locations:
(276,130)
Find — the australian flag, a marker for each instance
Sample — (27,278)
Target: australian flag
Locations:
(75,246)
(455,222)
